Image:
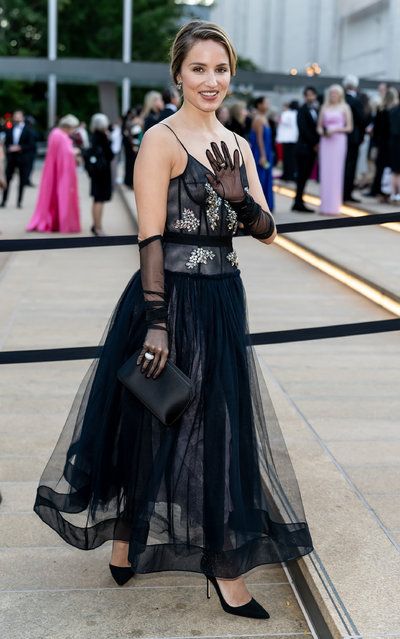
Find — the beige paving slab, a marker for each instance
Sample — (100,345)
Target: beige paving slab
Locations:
(35,404)
(357,556)
(28,444)
(19,530)
(22,468)
(375,479)
(69,568)
(366,452)
(28,422)
(18,497)
(387,509)
(352,429)
(155,612)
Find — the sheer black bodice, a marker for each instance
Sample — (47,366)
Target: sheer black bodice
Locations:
(200,225)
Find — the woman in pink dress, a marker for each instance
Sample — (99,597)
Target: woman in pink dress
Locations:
(334,122)
(57,207)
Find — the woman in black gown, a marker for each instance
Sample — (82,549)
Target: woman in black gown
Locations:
(216,493)
(101,184)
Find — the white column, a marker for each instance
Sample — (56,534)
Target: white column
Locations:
(126,52)
(51,100)
(52,55)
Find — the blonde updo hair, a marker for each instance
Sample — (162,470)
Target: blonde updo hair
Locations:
(199,30)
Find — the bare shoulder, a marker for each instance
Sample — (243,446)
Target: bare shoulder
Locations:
(158,137)
(244,147)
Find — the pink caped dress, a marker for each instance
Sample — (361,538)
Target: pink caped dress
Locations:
(57,207)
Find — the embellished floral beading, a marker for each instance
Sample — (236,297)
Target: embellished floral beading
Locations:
(189,221)
(231,218)
(233,258)
(213,203)
(199,256)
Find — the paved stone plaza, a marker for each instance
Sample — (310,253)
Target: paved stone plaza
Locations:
(339,407)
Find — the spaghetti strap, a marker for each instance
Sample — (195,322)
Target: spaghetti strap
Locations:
(181,143)
(238,145)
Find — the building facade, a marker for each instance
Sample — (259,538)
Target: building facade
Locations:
(342,36)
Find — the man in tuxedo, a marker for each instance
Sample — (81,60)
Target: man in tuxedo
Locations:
(172,102)
(19,144)
(354,139)
(307,146)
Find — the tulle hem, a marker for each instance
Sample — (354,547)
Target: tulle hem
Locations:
(215,494)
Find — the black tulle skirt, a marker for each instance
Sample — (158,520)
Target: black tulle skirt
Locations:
(215,493)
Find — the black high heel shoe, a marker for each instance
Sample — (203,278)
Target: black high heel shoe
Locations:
(252,609)
(120,574)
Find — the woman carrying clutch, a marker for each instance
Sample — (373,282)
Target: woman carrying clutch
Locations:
(215,493)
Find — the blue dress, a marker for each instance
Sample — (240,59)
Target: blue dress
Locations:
(216,493)
(264,175)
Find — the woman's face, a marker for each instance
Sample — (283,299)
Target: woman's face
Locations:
(334,96)
(205,75)
(157,104)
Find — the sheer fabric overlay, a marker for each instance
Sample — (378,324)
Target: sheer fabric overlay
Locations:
(216,493)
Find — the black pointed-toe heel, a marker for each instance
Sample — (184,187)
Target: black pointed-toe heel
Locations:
(121,575)
(251,609)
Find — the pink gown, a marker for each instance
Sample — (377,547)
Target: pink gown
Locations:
(332,157)
(57,207)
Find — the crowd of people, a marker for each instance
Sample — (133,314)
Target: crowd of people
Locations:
(336,141)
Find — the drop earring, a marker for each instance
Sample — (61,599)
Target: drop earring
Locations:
(179,85)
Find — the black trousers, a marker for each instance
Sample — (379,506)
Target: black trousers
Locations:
(15,161)
(289,161)
(350,170)
(305,163)
(382,160)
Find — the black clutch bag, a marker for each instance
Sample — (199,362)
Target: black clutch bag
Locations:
(167,396)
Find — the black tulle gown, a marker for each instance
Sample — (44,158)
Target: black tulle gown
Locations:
(215,493)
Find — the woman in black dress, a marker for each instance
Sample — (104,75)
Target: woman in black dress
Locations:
(381,138)
(101,184)
(216,493)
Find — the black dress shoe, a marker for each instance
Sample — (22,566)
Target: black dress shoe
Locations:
(302,208)
(352,199)
(252,610)
(121,575)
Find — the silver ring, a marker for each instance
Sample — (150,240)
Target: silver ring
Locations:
(222,165)
(149,356)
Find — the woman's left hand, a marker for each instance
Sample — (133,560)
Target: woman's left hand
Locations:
(226,181)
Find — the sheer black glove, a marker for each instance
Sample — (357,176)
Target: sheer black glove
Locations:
(260,224)
(227,181)
(152,273)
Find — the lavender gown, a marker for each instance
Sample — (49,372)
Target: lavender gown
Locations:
(332,156)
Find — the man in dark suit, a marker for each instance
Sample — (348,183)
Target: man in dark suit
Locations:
(307,146)
(354,139)
(172,102)
(19,144)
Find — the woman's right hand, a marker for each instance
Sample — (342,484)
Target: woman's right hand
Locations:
(262,161)
(155,343)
